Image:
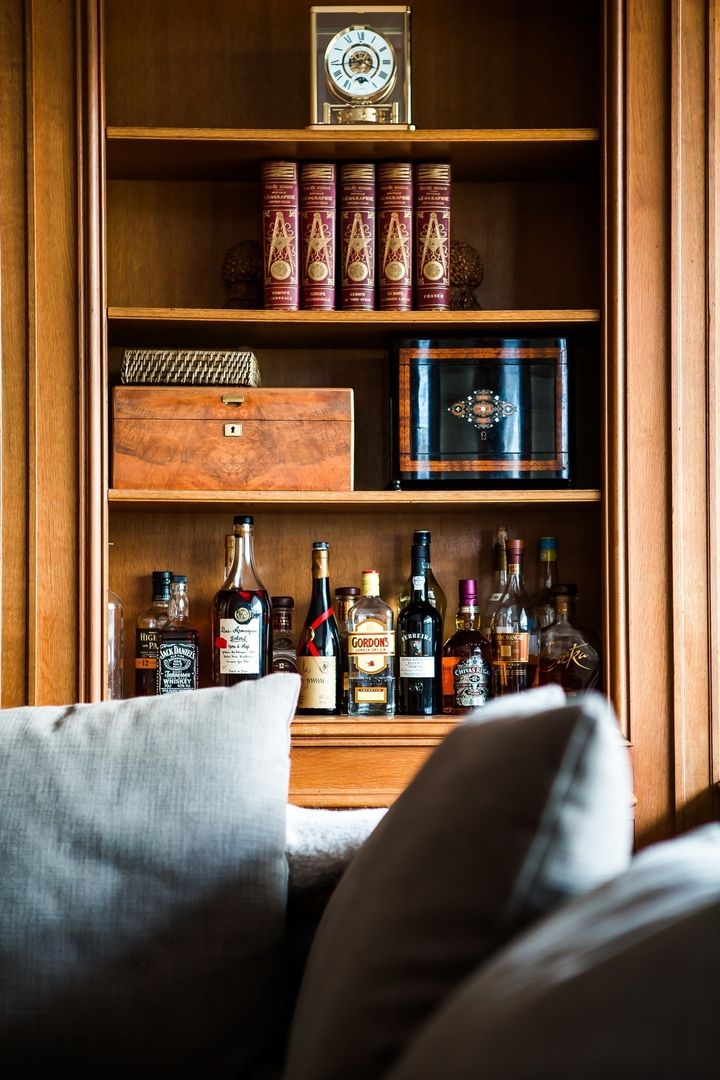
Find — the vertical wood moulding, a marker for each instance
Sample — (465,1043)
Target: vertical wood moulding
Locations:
(13,360)
(648,467)
(53,455)
(713,384)
(689,405)
(613,344)
(92,380)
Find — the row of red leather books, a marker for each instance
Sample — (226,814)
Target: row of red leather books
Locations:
(357,236)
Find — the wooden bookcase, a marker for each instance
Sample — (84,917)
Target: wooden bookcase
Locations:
(584,142)
(193,102)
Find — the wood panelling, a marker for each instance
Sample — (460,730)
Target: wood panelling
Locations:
(648,448)
(53,412)
(713,241)
(692,658)
(13,360)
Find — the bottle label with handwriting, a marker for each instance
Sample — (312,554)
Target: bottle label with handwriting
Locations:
(239,643)
(318,689)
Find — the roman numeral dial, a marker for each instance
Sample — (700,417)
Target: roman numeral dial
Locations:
(360,65)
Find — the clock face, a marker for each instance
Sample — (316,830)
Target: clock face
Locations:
(360,64)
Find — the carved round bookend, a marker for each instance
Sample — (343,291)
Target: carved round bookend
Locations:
(242,275)
(466,273)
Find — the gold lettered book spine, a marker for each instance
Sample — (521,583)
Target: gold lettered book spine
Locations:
(280,211)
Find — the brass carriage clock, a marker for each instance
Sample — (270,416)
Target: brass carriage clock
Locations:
(360,66)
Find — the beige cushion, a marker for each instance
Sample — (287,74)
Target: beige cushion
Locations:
(511,814)
(143,883)
(620,983)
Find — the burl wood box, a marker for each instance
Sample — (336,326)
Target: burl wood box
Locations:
(481,410)
(213,438)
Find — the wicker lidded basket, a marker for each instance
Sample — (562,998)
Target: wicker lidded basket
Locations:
(190,367)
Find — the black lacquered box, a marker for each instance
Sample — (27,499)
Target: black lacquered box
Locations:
(481,410)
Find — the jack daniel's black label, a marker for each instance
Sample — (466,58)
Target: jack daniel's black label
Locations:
(177,667)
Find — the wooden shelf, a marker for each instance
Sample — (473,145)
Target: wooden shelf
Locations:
(144,153)
(133,326)
(355,728)
(354,761)
(344,502)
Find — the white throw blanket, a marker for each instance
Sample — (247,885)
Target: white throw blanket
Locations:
(321,843)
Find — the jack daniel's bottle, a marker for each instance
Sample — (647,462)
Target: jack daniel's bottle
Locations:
(179,647)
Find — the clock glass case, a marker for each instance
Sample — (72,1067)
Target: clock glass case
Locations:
(360,66)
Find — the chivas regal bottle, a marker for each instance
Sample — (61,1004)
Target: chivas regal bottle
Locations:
(467,657)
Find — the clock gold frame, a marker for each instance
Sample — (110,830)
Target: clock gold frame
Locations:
(391,108)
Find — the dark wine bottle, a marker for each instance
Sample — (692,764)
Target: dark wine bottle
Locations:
(241,616)
(319,659)
(420,628)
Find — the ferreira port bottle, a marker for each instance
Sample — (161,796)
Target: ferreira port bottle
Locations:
(179,647)
(514,632)
(371,652)
(435,594)
(147,635)
(241,616)
(419,689)
(319,661)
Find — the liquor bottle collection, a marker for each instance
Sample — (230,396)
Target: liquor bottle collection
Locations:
(354,656)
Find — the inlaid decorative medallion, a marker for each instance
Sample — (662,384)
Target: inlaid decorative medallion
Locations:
(483,409)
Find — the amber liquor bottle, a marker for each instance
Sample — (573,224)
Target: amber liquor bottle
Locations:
(147,635)
(467,657)
(514,631)
(319,661)
(499,579)
(567,655)
(179,648)
(241,616)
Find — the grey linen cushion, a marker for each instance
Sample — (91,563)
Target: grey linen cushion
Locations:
(143,882)
(511,813)
(622,982)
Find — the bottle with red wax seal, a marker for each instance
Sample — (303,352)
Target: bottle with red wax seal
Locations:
(241,616)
